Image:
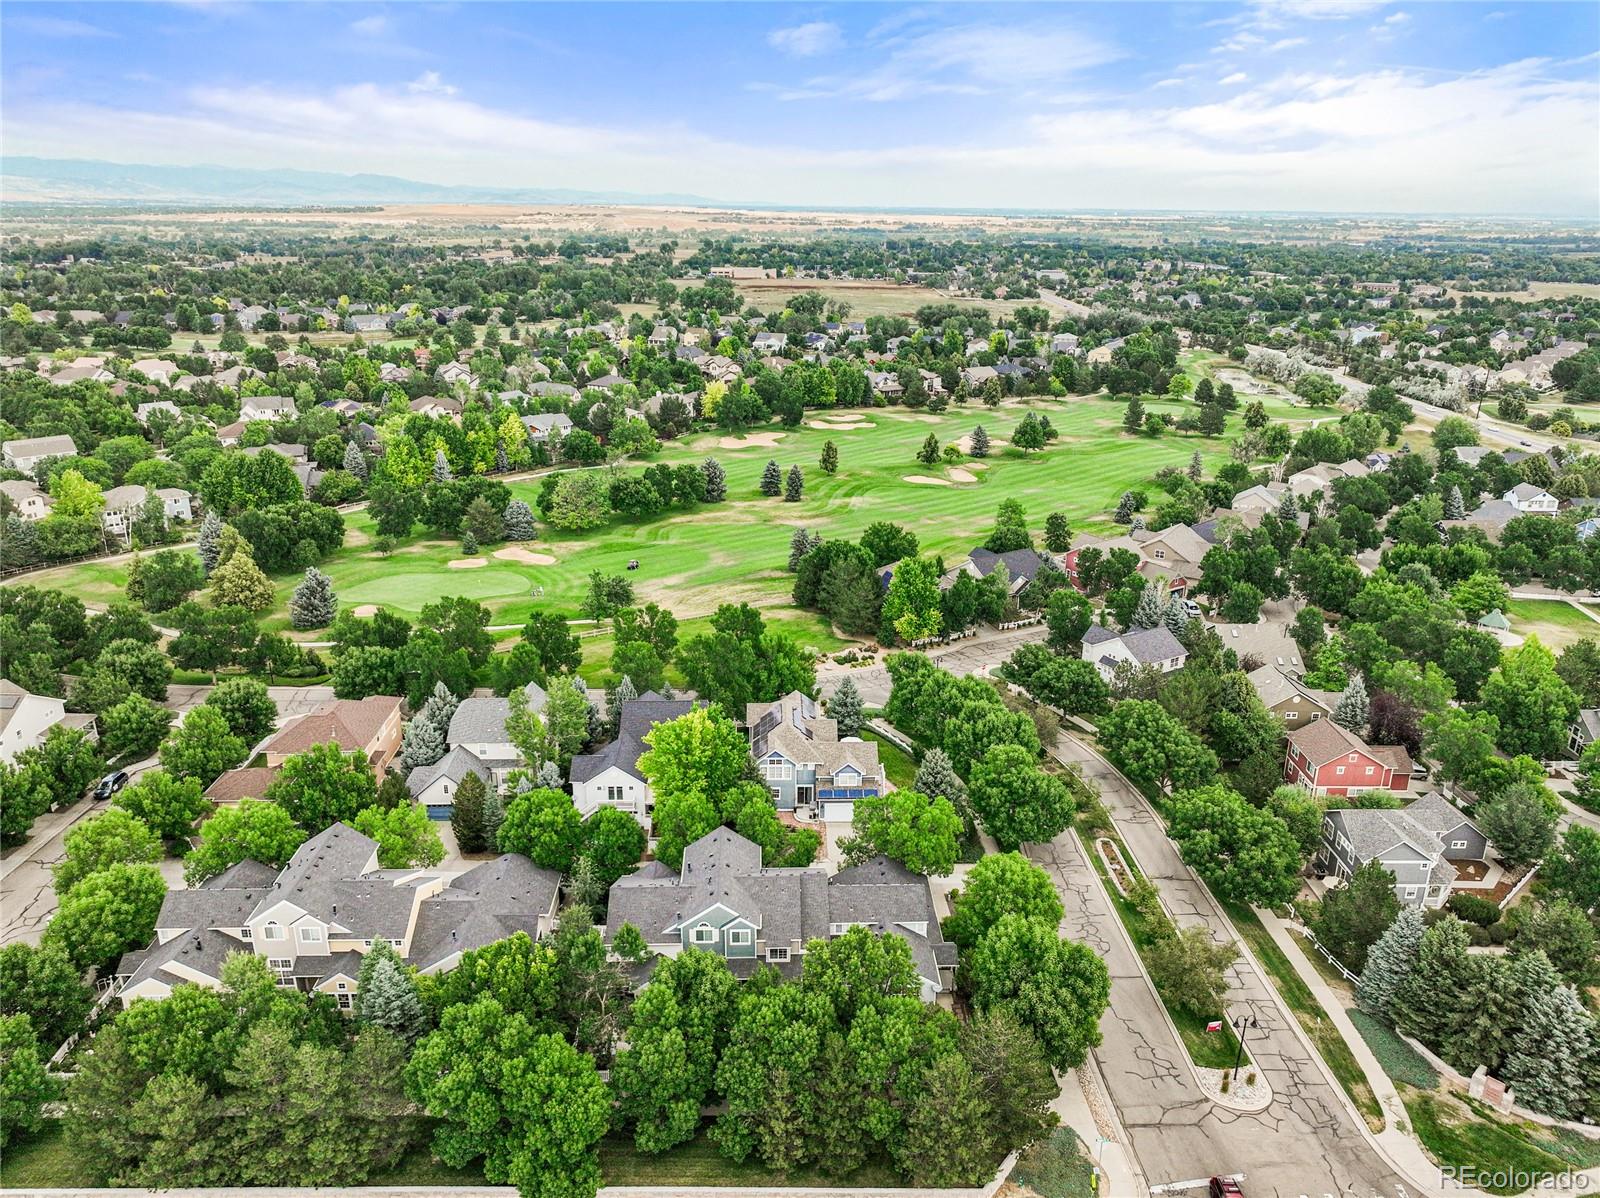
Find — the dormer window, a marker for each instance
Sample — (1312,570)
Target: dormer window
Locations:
(310,935)
(704,934)
(739,936)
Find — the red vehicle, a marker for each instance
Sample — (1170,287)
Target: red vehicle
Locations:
(1225,1187)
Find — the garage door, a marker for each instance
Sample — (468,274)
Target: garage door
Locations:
(841,813)
(439,810)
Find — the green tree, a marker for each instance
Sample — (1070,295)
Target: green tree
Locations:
(858,970)
(1013,1077)
(830,458)
(1434,1001)
(613,842)
(530,1105)
(203,748)
(1010,529)
(313,604)
(1390,962)
(406,836)
(322,787)
(165,804)
(1017,801)
(1554,1054)
(467,814)
(160,581)
(1067,615)
(1055,988)
(1189,968)
(251,831)
(1566,935)
(948,1134)
(1351,919)
(386,994)
(543,826)
(1243,853)
(922,834)
(239,582)
(771,479)
(911,607)
(1153,749)
(25,1087)
(1519,823)
(1001,884)
(245,704)
(1573,870)
(110,838)
(845,708)
(108,913)
(1533,705)
(523,977)
(43,984)
(134,727)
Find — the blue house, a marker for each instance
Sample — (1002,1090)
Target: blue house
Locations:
(805,764)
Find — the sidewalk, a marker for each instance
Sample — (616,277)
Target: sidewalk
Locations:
(1085,1108)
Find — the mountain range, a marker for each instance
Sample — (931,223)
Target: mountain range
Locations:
(93,181)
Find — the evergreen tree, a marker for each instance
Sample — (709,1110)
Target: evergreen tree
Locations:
(386,994)
(1289,509)
(1176,617)
(1354,708)
(313,604)
(795,487)
(441,467)
(1431,1004)
(716,480)
(929,453)
(1147,613)
(771,480)
(1390,962)
(1126,507)
(937,778)
(1196,467)
(494,814)
(980,442)
(469,543)
(519,521)
(502,461)
(355,462)
(440,708)
(1057,533)
(1133,415)
(845,708)
(1554,1053)
(799,546)
(830,458)
(19,542)
(837,1143)
(1490,1015)
(550,776)
(1137,524)
(466,816)
(421,744)
(947,1138)
(1204,392)
(209,544)
(1455,507)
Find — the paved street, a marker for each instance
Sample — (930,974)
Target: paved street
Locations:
(1306,1142)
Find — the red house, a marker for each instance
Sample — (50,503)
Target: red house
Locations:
(1335,761)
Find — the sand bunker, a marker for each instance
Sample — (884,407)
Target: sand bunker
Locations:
(964,443)
(516,553)
(367,609)
(924,479)
(468,563)
(977,465)
(751,441)
(962,476)
(840,425)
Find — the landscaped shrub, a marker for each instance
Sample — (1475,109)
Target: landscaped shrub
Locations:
(1399,1060)
(1473,909)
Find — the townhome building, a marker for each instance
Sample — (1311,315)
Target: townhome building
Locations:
(807,768)
(1331,760)
(1420,844)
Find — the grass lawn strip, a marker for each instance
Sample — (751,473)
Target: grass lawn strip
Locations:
(897,763)
(1464,1134)
(1313,1019)
(1399,1060)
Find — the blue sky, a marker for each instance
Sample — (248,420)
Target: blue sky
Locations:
(1345,105)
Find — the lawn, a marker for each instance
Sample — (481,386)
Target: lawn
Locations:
(1313,1019)
(1555,622)
(691,561)
(897,763)
(1399,1060)
(1463,1134)
(42,1161)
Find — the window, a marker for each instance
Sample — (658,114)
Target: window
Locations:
(245,934)
(1161,555)
(1369,771)
(739,936)
(1339,770)
(704,935)
(310,935)
(1409,892)
(344,1002)
(777,954)
(1458,844)
(272,932)
(342,986)
(1290,716)
(777,771)
(613,794)
(395,943)
(1352,757)
(280,964)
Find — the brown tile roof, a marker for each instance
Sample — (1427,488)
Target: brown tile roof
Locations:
(349,723)
(250,782)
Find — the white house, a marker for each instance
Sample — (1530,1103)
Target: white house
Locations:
(266,407)
(26,718)
(27,500)
(611,777)
(1138,647)
(146,410)
(157,370)
(27,453)
(1531,500)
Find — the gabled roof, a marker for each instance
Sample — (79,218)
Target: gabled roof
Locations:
(1323,741)
(479,721)
(637,718)
(1020,564)
(41,447)
(349,723)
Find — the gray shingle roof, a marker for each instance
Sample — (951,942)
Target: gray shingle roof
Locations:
(1152,644)
(638,717)
(485,904)
(456,765)
(479,721)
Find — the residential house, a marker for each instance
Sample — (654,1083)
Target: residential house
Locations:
(723,901)
(1417,844)
(25,499)
(769,343)
(391,372)
(452,373)
(478,744)
(266,407)
(229,435)
(81,374)
(1063,343)
(1583,731)
(246,782)
(157,370)
(1531,500)
(26,454)
(369,322)
(662,336)
(438,405)
(1020,566)
(548,426)
(885,383)
(122,507)
(1263,500)
(1289,698)
(976,376)
(26,719)
(1102,353)
(610,776)
(1138,647)
(805,764)
(143,412)
(1491,516)
(1328,759)
(369,726)
(315,920)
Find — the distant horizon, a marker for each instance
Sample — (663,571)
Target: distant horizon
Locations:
(705,203)
(1292,106)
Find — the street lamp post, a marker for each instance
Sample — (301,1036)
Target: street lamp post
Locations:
(1241,1024)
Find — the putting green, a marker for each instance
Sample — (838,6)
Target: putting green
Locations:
(409,591)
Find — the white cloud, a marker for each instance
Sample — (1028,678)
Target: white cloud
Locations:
(430,84)
(375,26)
(1383,141)
(1169,83)
(1230,80)
(808,40)
(57,27)
(1397,18)
(1286,43)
